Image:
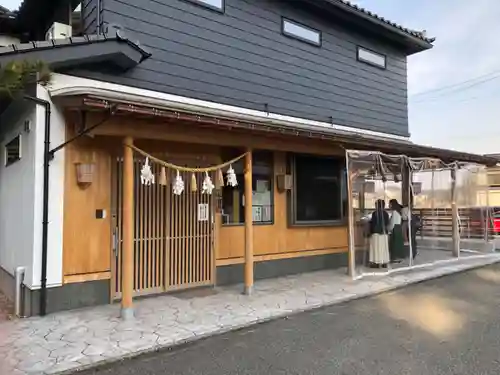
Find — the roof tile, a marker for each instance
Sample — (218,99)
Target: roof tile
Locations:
(80,40)
(414,33)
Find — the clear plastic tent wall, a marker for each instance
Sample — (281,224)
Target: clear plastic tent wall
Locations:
(413,212)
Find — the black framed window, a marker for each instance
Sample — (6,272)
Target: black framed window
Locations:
(319,194)
(372,58)
(301,32)
(217,5)
(12,151)
(233,198)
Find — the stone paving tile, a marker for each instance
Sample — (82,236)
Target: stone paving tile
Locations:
(6,308)
(68,341)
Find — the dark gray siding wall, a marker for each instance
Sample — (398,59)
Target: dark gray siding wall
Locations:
(89,15)
(241,58)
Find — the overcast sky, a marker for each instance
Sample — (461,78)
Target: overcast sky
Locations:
(454,89)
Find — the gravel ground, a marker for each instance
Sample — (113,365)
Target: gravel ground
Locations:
(441,327)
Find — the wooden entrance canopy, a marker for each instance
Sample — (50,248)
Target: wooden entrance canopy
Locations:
(343,138)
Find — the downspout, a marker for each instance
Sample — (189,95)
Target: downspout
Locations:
(45,199)
(98,21)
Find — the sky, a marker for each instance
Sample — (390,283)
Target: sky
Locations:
(454,88)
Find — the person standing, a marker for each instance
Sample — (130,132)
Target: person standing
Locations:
(396,238)
(410,228)
(379,239)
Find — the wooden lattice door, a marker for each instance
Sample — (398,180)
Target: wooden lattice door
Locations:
(173,236)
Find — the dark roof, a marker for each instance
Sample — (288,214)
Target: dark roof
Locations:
(416,41)
(417,34)
(4,10)
(113,47)
(8,21)
(34,17)
(495,156)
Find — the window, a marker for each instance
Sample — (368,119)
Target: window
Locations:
(233,199)
(13,151)
(494,178)
(301,32)
(212,4)
(371,58)
(319,192)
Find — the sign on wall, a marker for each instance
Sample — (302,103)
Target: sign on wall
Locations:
(202,212)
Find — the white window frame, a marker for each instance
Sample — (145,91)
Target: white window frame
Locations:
(208,4)
(370,57)
(5,153)
(296,35)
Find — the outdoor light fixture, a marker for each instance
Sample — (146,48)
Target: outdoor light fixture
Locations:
(84,174)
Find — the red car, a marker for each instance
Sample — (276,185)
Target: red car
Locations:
(495,223)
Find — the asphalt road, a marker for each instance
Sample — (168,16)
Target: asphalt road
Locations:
(445,326)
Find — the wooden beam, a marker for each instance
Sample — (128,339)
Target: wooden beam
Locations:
(248,225)
(192,133)
(128,230)
(69,279)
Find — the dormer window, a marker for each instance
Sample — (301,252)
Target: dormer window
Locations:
(301,32)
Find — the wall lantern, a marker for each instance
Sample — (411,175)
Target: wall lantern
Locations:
(84,174)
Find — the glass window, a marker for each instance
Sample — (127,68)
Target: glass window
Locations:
(13,151)
(301,32)
(371,57)
(214,4)
(319,193)
(233,199)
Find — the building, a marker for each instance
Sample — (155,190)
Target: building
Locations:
(195,83)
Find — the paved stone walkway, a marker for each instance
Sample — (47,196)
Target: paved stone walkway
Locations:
(6,308)
(69,341)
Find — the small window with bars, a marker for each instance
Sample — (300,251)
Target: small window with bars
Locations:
(13,151)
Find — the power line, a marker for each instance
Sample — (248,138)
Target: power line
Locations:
(463,100)
(456,91)
(472,82)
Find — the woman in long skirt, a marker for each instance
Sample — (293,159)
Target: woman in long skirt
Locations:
(396,238)
(379,241)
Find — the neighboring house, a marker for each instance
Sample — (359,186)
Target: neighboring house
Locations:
(8,29)
(494,184)
(196,83)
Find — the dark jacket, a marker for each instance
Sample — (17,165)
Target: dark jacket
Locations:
(379,222)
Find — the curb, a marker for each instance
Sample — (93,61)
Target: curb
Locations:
(101,365)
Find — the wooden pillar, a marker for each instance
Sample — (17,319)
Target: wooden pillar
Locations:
(455,234)
(128,231)
(248,225)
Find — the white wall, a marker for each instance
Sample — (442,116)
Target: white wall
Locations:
(21,194)
(17,194)
(56,195)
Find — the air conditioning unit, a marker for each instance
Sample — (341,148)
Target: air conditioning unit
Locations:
(59,31)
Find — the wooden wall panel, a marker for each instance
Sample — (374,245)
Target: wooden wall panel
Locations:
(86,240)
(278,238)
